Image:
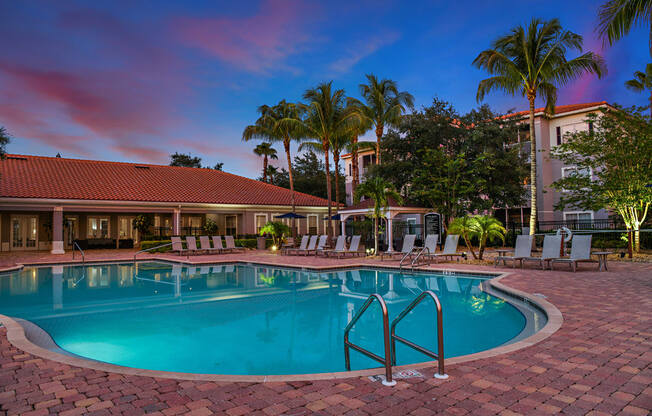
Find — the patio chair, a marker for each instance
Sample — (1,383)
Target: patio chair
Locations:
(302,246)
(312,243)
(408,247)
(429,247)
(191,243)
(340,246)
(321,243)
(205,244)
(450,248)
(230,244)
(522,250)
(288,243)
(580,252)
(353,250)
(551,246)
(217,244)
(177,246)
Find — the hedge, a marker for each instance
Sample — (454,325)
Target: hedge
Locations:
(153,243)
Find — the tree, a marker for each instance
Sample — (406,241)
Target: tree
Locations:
(486,227)
(464,226)
(277,230)
(278,124)
(384,105)
(186,160)
(326,120)
(4,141)
(613,165)
(143,223)
(218,166)
(380,191)
(265,150)
(642,82)
(210,227)
(618,16)
(359,126)
(532,62)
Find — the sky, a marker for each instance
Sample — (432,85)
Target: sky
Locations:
(138,80)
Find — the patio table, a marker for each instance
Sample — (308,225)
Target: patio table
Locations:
(501,255)
(602,259)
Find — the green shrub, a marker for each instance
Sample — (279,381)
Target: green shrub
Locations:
(153,243)
(252,242)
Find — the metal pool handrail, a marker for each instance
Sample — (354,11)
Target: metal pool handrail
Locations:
(151,248)
(439,356)
(76,245)
(419,254)
(388,353)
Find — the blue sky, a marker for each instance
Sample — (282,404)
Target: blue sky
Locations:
(137,81)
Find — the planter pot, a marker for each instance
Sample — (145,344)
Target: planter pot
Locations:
(260,243)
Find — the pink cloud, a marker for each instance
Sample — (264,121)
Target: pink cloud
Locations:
(256,43)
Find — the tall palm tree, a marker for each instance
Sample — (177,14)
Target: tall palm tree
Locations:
(618,16)
(532,61)
(360,125)
(337,144)
(278,124)
(326,119)
(384,105)
(265,150)
(380,191)
(642,82)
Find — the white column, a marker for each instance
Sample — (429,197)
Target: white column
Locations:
(176,221)
(343,223)
(57,287)
(390,237)
(57,231)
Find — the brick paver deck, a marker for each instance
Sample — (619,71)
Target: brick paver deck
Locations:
(598,363)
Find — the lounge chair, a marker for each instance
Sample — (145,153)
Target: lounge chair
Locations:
(353,249)
(429,247)
(522,251)
(408,247)
(177,246)
(205,244)
(230,244)
(450,248)
(217,244)
(580,252)
(302,246)
(321,243)
(312,243)
(551,247)
(340,246)
(191,243)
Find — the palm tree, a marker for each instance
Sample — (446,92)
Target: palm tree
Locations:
(532,61)
(360,125)
(618,16)
(642,82)
(278,124)
(265,150)
(384,105)
(463,226)
(486,227)
(326,120)
(380,191)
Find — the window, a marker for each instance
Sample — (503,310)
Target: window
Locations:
(574,171)
(350,169)
(312,224)
(231,222)
(411,226)
(261,220)
(125,227)
(590,127)
(558,135)
(578,216)
(98,227)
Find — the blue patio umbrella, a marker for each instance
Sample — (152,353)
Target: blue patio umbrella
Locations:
(289,215)
(334,217)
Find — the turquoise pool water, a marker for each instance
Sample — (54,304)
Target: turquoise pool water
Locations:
(248,319)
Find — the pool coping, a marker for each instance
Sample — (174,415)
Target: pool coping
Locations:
(17,337)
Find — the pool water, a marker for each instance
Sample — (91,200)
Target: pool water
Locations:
(249,319)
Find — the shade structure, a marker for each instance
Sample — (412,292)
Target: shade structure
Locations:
(334,217)
(289,215)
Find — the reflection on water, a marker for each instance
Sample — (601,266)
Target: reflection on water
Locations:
(245,319)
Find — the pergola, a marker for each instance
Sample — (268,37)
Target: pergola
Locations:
(393,209)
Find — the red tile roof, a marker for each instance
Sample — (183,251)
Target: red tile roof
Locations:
(58,178)
(560,109)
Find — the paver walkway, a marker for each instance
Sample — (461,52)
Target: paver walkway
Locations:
(598,363)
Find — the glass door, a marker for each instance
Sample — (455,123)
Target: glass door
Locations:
(71,230)
(24,232)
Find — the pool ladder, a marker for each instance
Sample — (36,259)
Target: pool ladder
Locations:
(390,337)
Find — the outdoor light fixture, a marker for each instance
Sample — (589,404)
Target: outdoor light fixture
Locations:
(274,248)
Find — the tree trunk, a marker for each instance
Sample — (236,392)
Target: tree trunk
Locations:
(265,168)
(286,143)
(328,187)
(379,135)
(469,246)
(533,171)
(651,95)
(354,164)
(336,160)
(375,235)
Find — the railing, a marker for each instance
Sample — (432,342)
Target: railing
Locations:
(151,248)
(388,353)
(419,254)
(75,245)
(405,256)
(439,356)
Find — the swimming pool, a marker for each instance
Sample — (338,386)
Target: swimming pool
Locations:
(251,319)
